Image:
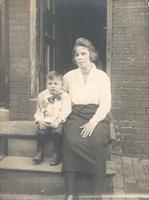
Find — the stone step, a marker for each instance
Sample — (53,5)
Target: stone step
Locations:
(82,197)
(18,128)
(43,197)
(18,146)
(26,164)
(4,114)
(18,175)
(26,147)
(30,197)
(17,138)
(62,197)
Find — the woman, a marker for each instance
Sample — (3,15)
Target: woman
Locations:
(84,146)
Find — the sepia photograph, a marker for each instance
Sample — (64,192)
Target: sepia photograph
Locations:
(74,99)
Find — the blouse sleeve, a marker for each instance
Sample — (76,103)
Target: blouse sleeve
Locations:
(105,102)
(66,83)
(66,108)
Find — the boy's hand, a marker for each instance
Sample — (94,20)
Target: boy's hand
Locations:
(55,123)
(43,124)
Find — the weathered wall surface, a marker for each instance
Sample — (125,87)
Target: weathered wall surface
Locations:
(130,74)
(19,59)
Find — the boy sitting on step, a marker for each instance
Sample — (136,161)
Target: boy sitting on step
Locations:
(53,107)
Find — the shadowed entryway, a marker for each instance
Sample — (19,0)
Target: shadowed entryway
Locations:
(79,19)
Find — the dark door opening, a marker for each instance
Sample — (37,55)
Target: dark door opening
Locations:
(79,18)
(61,23)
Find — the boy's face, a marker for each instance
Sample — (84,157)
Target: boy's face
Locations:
(54,86)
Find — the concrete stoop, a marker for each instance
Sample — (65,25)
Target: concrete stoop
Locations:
(62,197)
(56,197)
(44,197)
(19,177)
(30,197)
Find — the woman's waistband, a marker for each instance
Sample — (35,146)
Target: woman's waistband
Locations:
(81,107)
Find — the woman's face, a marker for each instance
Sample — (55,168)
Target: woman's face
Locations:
(82,57)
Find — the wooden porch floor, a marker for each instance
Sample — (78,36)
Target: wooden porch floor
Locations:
(131,180)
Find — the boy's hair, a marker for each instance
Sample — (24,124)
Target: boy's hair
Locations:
(54,74)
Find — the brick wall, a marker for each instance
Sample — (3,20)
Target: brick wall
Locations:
(19,51)
(130,74)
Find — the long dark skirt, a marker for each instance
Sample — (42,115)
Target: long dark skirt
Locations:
(84,155)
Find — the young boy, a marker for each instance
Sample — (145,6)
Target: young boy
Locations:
(53,107)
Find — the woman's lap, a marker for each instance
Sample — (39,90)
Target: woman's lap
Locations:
(84,154)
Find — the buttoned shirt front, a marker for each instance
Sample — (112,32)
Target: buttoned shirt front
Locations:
(49,112)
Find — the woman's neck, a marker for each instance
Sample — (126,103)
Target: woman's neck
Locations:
(85,71)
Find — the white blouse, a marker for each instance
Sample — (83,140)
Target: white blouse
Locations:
(96,90)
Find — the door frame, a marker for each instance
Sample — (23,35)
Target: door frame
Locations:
(5,49)
(109,38)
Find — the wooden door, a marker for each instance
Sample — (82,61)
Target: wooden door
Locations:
(50,35)
(47,40)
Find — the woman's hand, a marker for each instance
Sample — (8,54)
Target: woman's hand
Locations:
(87,129)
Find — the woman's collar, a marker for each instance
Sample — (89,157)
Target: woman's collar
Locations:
(93,67)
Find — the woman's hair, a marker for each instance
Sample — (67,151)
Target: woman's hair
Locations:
(87,44)
(54,74)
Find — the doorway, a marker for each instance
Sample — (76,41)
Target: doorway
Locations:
(61,22)
(79,18)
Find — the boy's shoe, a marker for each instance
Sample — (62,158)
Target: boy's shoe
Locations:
(55,159)
(38,158)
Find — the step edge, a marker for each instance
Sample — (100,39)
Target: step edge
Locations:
(6,167)
(109,171)
(31,197)
(83,197)
(30,171)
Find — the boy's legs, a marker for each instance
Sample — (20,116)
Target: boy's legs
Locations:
(42,135)
(56,137)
